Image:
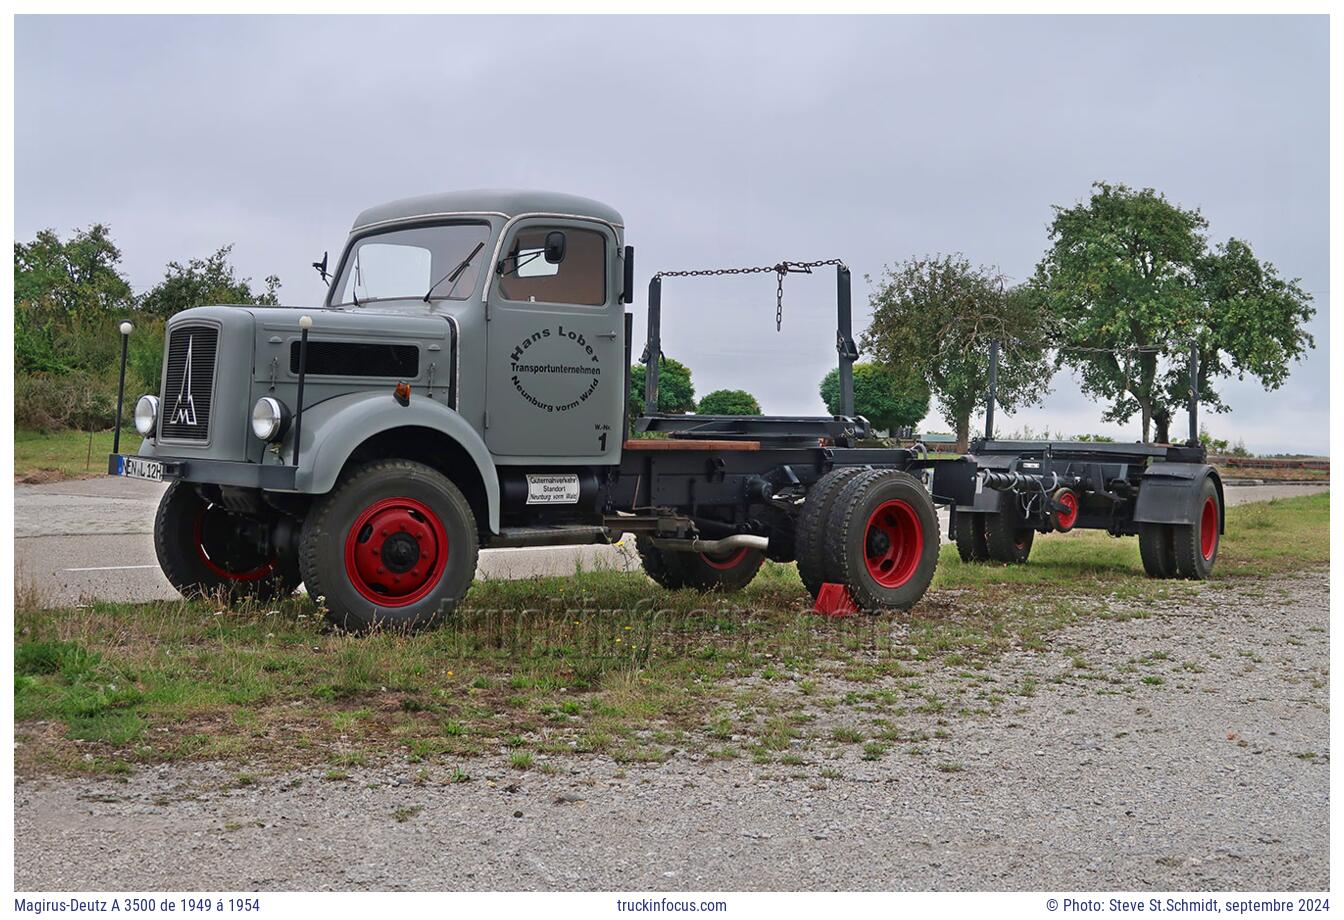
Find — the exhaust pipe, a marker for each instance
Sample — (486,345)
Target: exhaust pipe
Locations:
(736,541)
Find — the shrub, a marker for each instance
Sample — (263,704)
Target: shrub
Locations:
(728,402)
(79,399)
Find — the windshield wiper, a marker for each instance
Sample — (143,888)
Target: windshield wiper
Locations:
(455,273)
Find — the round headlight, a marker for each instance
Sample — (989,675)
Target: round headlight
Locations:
(146,414)
(270,418)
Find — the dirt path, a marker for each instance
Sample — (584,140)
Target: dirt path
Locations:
(1186,748)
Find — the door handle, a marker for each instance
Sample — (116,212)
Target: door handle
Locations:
(606,335)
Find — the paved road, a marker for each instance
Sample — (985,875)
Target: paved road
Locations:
(91,538)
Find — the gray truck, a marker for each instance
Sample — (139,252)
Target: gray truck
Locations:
(465,385)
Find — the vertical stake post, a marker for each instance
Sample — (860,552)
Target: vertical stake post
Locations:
(305,323)
(844,339)
(653,351)
(993,389)
(121,386)
(1194,393)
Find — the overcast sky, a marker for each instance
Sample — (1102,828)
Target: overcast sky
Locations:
(724,141)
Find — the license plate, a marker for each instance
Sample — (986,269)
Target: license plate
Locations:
(139,468)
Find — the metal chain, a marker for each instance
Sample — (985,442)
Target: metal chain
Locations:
(780,270)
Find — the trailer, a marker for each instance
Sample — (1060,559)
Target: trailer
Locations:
(1165,494)
(465,384)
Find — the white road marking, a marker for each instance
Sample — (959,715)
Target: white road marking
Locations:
(110,568)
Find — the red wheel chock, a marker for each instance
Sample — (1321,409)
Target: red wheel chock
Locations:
(833,600)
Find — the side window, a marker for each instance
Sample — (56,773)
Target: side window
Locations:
(580,279)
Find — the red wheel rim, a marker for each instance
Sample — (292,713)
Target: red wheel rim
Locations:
(893,543)
(1208,528)
(396,552)
(723,562)
(216,566)
(1069,516)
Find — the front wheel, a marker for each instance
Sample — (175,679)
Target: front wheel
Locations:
(394,544)
(205,548)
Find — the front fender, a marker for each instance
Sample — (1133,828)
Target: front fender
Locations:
(333,428)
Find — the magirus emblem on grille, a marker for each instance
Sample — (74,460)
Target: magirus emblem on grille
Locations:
(184,410)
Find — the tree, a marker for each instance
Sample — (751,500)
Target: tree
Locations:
(1130,283)
(67,294)
(933,321)
(726,402)
(202,282)
(886,399)
(676,393)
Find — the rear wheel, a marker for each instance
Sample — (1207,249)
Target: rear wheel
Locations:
(971,545)
(883,540)
(1196,545)
(1007,539)
(205,548)
(394,544)
(1156,550)
(731,570)
(811,536)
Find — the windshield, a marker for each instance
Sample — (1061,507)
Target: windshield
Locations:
(403,264)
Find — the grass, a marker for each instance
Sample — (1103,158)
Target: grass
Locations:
(50,456)
(598,663)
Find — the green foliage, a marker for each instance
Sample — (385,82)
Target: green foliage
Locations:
(203,282)
(726,402)
(1211,444)
(676,393)
(933,320)
(145,358)
(888,400)
(77,399)
(69,298)
(1130,281)
(1095,438)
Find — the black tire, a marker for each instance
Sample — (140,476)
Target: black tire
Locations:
(677,569)
(1196,545)
(375,529)
(206,549)
(971,545)
(1156,550)
(1007,538)
(883,540)
(810,534)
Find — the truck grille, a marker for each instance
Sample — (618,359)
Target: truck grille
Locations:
(189,383)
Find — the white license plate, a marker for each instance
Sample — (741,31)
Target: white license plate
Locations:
(138,468)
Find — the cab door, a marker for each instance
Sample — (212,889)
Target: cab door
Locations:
(555,374)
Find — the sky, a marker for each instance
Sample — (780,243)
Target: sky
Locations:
(724,141)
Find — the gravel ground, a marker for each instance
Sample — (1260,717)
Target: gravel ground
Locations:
(1186,749)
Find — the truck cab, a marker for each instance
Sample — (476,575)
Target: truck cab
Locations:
(480,334)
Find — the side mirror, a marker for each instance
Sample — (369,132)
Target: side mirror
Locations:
(554,251)
(322,267)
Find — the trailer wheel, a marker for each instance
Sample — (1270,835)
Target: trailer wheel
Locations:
(1196,545)
(394,544)
(204,548)
(810,534)
(1156,550)
(971,545)
(882,542)
(1008,539)
(732,570)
